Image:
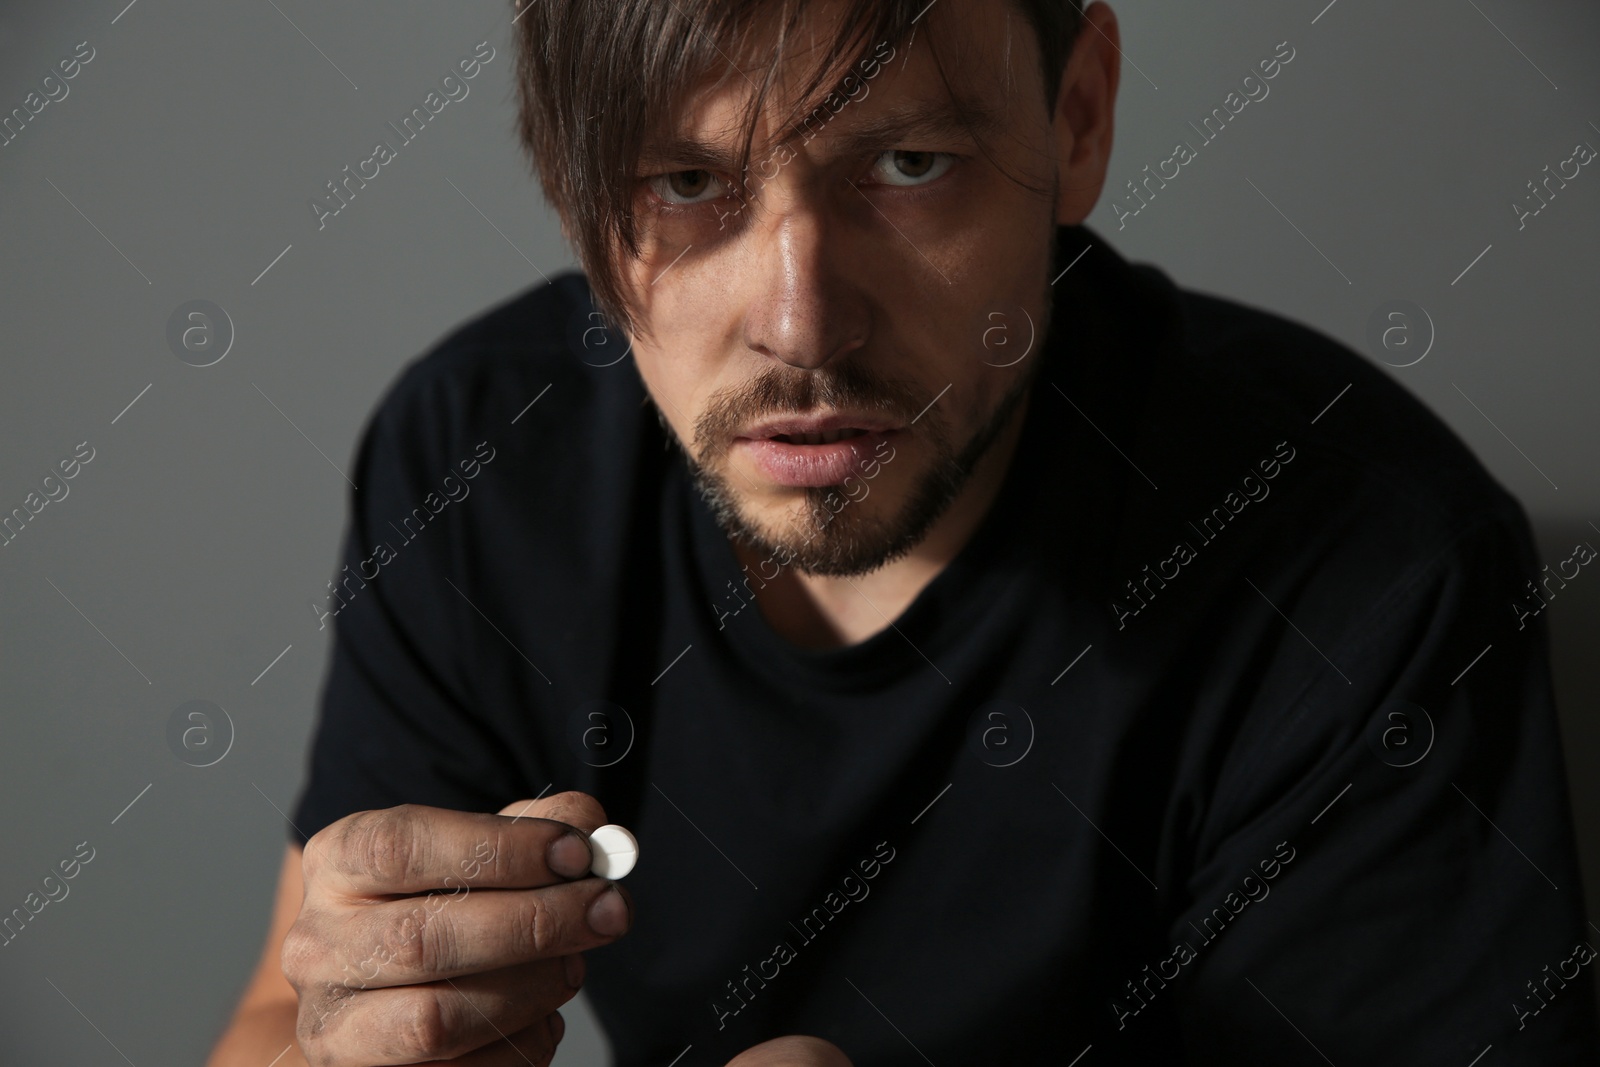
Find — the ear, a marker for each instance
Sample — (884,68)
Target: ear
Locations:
(1083,118)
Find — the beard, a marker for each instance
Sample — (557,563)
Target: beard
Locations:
(847,539)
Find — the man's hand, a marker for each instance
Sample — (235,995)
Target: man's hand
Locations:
(792,1051)
(426,934)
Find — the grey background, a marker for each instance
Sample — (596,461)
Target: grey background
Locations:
(186,553)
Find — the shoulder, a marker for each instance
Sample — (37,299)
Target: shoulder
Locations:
(1366,448)
(481,365)
(1282,464)
(531,368)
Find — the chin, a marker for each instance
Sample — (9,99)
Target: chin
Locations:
(828,534)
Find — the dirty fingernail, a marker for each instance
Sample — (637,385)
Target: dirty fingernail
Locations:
(569,855)
(608,915)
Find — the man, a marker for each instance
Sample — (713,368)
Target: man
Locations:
(1000,654)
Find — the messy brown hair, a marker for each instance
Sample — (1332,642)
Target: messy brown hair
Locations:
(596,78)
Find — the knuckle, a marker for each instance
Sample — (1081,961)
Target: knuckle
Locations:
(311,853)
(305,1039)
(424,1028)
(413,943)
(310,1033)
(537,925)
(302,950)
(314,856)
(500,860)
(437,944)
(294,955)
(577,808)
(384,945)
(379,844)
(405,949)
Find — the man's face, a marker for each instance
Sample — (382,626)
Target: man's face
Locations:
(881,278)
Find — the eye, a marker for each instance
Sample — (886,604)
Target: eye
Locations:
(685,187)
(909,168)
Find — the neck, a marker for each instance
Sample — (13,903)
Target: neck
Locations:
(821,611)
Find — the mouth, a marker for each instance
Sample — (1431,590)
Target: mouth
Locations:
(827,437)
(817,429)
(815,452)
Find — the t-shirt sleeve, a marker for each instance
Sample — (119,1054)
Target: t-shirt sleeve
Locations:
(1389,873)
(397,719)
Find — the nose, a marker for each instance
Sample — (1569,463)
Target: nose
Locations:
(804,311)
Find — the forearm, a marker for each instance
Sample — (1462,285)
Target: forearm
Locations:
(257,1034)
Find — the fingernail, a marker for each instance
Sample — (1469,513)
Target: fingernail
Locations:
(569,855)
(558,1027)
(574,969)
(608,915)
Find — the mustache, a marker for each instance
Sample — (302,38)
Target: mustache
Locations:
(786,390)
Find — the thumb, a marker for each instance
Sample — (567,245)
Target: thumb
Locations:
(794,1050)
(572,807)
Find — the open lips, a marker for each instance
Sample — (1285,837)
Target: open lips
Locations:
(817,451)
(817,438)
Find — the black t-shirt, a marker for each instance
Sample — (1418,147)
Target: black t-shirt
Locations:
(1227,738)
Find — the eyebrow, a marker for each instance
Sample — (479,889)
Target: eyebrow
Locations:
(935,119)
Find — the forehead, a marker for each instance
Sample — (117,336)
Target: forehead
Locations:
(962,66)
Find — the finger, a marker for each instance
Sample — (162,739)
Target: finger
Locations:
(572,807)
(424,939)
(535,1045)
(793,1050)
(445,1020)
(414,849)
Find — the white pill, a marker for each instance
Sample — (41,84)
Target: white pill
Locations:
(615,851)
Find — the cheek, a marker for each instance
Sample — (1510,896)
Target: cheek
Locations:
(985,332)
(950,352)
(680,381)
(667,392)
(684,358)
(988,390)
